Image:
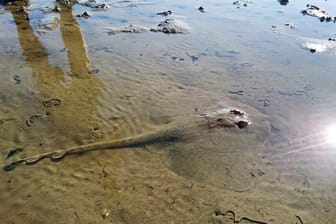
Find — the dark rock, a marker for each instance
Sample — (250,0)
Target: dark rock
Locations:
(101,6)
(131,28)
(201,9)
(165,13)
(266,102)
(239,3)
(84,15)
(290,25)
(315,11)
(171,26)
(283,2)
(56,9)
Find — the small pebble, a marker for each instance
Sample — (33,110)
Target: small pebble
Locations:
(201,9)
(266,102)
(237,92)
(166,13)
(84,15)
(56,9)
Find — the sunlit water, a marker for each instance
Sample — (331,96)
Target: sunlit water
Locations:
(281,169)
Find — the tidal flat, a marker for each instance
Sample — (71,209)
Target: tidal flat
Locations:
(122,111)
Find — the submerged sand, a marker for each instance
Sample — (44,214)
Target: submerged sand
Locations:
(278,170)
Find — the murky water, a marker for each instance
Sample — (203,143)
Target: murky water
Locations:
(263,57)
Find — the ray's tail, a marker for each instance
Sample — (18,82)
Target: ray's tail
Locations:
(148,138)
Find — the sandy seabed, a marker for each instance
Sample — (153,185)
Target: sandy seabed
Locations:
(278,170)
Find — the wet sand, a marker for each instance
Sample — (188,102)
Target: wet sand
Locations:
(278,170)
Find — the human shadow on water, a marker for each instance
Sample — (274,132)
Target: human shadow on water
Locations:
(77,116)
(78,90)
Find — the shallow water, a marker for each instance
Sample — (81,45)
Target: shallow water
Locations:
(278,170)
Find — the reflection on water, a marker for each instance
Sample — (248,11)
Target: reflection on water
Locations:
(78,90)
(279,170)
(330,134)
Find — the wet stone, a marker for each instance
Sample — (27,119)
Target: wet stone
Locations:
(319,45)
(290,25)
(165,13)
(95,4)
(84,15)
(172,26)
(56,9)
(201,9)
(266,102)
(102,6)
(315,11)
(283,2)
(240,3)
(131,28)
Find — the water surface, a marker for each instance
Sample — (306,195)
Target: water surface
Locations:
(278,170)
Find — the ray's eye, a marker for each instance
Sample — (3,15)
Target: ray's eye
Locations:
(241,124)
(219,119)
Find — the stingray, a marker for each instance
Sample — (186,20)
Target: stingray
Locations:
(225,117)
